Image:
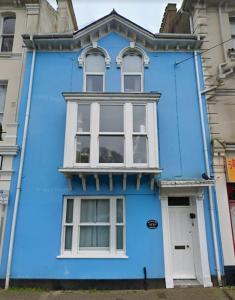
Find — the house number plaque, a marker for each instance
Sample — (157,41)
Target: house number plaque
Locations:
(152,224)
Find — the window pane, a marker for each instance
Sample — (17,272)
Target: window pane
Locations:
(3,91)
(132,83)
(178,201)
(111,118)
(232,24)
(69,211)
(68,237)
(7,43)
(93,211)
(119,210)
(8,25)
(94,83)
(94,236)
(132,63)
(139,118)
(83,149)
(119,237)
(111,149)
(140,149)
(95,63)
(83,121)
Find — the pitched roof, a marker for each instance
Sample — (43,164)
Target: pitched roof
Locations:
(113,22)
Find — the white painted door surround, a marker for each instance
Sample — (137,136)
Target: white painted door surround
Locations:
(194,263)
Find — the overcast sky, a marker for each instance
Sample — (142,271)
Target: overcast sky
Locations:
(146,13)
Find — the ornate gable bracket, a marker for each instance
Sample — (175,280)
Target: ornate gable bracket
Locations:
(132,46)
(94,45)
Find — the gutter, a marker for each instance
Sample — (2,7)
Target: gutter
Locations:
(19,179)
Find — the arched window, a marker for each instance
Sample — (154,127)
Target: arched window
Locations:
(132,72)
(7,32)
(94,71)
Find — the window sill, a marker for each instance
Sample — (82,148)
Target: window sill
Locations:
(9,54)
(97,256)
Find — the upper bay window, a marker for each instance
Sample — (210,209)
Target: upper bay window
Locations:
(7,33)
(106,130)
(132,72)
(94,71)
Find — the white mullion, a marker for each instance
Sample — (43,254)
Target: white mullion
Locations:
(70,134)
(63,226)
(94,144)
(76,221)
(112,225)
(128,129)
(151,132)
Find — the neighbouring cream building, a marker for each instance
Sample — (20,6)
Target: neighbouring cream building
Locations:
(18,17)
(214,20)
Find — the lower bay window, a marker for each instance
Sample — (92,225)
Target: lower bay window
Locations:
(93,227)
(104,134)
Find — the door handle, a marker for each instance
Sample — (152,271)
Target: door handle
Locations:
(187,246)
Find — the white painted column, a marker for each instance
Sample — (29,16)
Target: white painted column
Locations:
(205,276)
(224,212)
(167,243)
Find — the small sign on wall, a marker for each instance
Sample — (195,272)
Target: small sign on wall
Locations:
(230,166)
(152,224)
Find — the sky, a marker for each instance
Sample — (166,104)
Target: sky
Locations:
(146,13)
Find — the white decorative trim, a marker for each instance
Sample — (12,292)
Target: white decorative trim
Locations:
(9,150)
(132,46)
(111,97)
(81,59)
(185,183)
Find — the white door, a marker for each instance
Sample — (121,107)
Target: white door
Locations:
(181,233)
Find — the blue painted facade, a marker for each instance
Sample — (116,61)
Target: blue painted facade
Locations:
(38,230)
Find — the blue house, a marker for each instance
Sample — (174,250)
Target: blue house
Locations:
(112,185)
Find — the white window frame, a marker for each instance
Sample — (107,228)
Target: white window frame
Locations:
(151,133)
(112,252)
(3,83)
(85,74)
(141,74)
(2,17)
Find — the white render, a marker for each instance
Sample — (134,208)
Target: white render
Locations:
(32,18)
(211,21)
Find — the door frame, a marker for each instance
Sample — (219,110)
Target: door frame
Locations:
(197,194)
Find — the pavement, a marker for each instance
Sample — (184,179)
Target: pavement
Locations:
(174,294)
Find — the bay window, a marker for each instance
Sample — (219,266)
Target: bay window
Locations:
(93,227)
(111,133)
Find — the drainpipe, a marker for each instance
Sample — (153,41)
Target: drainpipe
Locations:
(19,180)
(206,157)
